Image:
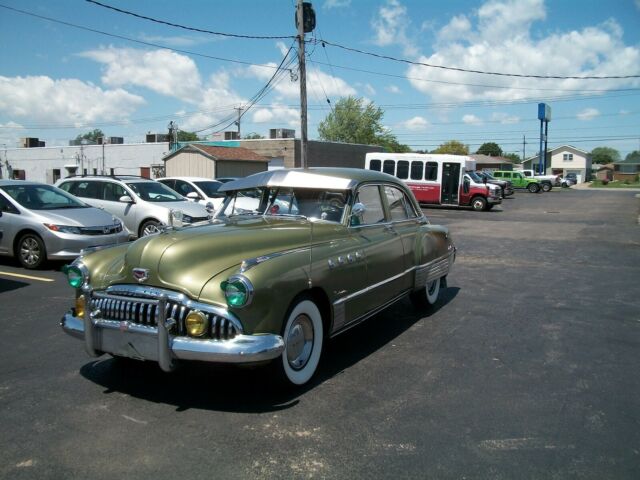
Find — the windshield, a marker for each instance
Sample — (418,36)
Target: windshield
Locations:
(155,192)
(311,203)
(475,177)
(488,176)
(42,197)
(210,189)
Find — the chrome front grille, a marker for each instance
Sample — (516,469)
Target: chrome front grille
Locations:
(131,310)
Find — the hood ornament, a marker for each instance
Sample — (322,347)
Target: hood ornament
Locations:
(141,274)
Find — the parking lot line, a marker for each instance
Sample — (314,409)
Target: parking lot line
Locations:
(29,277)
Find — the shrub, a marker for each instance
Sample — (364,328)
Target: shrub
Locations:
(605,181)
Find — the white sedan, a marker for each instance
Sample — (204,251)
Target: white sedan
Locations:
(197,189)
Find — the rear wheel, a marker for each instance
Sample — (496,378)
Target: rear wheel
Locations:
(303,336)
(533,187)
(31,251)
(546,187)
(478,204)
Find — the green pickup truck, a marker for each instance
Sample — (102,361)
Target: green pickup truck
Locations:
(518,180)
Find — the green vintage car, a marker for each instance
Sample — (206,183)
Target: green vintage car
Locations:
(293,257)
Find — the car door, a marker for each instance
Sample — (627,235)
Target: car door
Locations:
(125,211)
(382,247)
(9,220)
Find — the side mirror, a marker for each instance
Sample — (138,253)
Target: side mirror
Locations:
(193,196)
(484,180)
(126,199)
(356,213)
(465,185)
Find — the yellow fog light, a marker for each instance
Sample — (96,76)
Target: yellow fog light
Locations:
(80,305)
(197,324)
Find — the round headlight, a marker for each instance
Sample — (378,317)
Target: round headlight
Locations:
(197,323)
(77,275)
(238,291)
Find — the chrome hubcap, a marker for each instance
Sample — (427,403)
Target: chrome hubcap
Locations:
(300,342)
(150,229)
(30,251)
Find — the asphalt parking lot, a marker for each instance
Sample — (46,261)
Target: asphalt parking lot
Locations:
(527,368)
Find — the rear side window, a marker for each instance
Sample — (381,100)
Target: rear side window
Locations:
(84,189)
(403,170)
(369,196)
(399,205)
(375,165)
(497,174)
(389,166)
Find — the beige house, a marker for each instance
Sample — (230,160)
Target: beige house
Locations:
(563,160)
(213,162)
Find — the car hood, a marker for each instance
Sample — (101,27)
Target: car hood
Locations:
(190,208)
(76,217)
(186,259)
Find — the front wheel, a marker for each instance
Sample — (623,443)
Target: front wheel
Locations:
(427,296)
(533,187)
(31,251)
(546,187)
(149,228)
(478,204)
(303,337)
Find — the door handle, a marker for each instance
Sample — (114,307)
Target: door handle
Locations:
(390,229)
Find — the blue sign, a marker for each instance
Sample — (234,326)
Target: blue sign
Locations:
(544,112)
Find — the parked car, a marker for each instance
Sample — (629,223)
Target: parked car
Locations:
(143,205)
(518,180)
(505,185)
(569,179)
(547,181)
(40,222)
(197,189)
(226,179)
(269,285)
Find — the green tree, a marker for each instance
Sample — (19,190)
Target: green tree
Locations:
(490,148)
(91,136)
(253,136)
(453,147)
(605,155)
(187,136)
(514,157)
(633,157)
(353,121)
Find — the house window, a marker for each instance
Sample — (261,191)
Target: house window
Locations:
(567,157)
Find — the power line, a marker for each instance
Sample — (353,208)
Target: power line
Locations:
(193,29)
(481,72)
(129,39)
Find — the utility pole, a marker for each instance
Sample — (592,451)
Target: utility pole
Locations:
(306,22)
(524,143)
(239,109)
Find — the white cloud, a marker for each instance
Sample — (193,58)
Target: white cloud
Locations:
(329,4)
(498,38)
(178,41)
(67,101)
(278,114)
(470,119)
(504,118)
(163,71)
(393,89)
(390,27)
(416,124)
(587,114)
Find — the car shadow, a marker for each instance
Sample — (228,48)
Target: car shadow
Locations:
(252,389)
(9,285)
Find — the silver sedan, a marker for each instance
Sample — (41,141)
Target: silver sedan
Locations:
(40,222)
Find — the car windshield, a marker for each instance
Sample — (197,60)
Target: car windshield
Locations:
(475,177)
(42,197)
(155,192)
(488,176)
(210,189)
(311,203)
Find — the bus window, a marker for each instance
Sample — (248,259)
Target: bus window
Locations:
(417,170)
(431,171)
(389,166)
(375,165)
(403,170)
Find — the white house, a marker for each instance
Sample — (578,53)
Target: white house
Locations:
(563,160)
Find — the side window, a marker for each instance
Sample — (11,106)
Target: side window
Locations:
(527,174)
(68,187)
(517,175)
(375,165)
(497,174)
(417,170)
(369,196)
(113,192)
(183,188)
(403,170)
(6,206)
(431,171)
(389,166)
(169,183)
(87,189)
(399,205)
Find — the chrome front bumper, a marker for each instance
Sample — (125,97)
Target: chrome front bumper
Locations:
(143,342)
(494,200)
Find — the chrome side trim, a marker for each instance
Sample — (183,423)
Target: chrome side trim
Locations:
(252,262)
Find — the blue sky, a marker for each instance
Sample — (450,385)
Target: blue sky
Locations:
(57,81)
